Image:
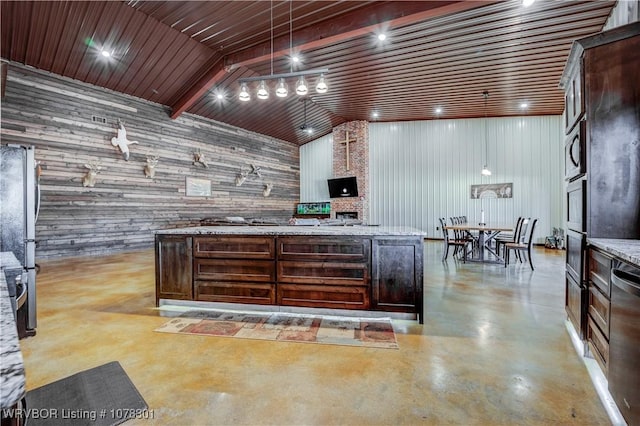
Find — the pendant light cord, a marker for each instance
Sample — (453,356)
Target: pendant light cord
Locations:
(291,34)
(271,37)
(486,151)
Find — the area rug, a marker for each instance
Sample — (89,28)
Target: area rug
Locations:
(103,395)
(375,333)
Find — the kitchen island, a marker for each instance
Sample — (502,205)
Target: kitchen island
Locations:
(342,268)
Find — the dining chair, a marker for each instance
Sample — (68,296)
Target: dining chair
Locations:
(520,246)
(448,242)
(462,235)
(510,237)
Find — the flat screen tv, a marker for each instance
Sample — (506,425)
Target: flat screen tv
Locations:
(343,187)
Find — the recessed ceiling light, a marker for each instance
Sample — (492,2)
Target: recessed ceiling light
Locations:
(105,53)
(375,114)
(382,36)
(438,110)
(220,96)
(295,58)
(524,105)
(527,3)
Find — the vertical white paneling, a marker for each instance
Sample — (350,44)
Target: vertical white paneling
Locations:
(420,171)
(624,12)
(316,166)
(423,170)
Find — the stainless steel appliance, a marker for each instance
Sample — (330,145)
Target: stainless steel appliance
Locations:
(624,340)
(19,201)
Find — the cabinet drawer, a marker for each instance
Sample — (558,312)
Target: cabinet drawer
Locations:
(328,273)
(600,271)
(234,292)
(224,247)
(598,345)
(575,305)
(324,249)
(234,270)
(574,152)
(599,307)
(319,296)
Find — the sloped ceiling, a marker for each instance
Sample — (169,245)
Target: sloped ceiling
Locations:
(437,54)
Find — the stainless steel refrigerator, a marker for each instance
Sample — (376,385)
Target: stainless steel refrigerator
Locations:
(19,201)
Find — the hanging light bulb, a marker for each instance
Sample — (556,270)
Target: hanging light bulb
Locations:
(485,171)
(301,86)
(244,93)
(263,92)
(321,86)
(281,89)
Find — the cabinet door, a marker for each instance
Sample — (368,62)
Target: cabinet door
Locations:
(613,151)
(174,271)
(574,101)
(397,275)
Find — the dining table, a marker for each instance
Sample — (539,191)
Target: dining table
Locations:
(486,233)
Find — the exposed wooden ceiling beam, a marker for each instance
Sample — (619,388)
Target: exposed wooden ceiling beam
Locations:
(363,21)
(213,74)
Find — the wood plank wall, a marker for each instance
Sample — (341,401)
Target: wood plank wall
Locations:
(121,212)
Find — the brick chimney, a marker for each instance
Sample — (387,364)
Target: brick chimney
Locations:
(351,158)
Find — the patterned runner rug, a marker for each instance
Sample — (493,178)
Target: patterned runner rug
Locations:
(377,333)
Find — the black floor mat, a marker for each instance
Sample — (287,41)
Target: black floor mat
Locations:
(102,395)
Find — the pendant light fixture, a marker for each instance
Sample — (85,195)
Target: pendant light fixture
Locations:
(321,85)
(301,86)
(244,93)
(263,92)
(282,89)
(485,170)
(306,128)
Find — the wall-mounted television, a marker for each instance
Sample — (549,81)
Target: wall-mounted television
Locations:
(343,187)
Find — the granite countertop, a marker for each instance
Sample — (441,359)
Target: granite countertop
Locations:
(12,380)
(355,230)
(8,261)
(628,250)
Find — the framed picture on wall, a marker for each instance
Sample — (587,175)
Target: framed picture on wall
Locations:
(492,190)
(196,187)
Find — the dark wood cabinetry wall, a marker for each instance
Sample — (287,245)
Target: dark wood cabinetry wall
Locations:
(602,158)
(602,152)
(62,119)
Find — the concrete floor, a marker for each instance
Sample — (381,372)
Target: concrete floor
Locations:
(493,350)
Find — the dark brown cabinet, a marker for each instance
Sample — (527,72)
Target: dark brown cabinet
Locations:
(324,272)
(174,271)
(313,271)
(602,153)
(397,275)
(234,269)
(599,307)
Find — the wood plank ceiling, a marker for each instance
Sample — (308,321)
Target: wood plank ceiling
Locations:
(437,54)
